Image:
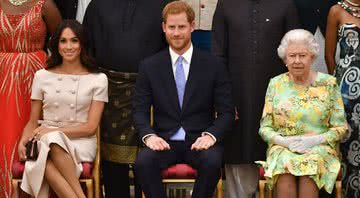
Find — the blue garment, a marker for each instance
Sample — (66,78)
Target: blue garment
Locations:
(201,39)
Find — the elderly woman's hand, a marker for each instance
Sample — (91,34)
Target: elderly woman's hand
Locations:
(285,141)
(306,143)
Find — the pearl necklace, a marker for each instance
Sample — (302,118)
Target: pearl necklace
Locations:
(350,10)
(18,2)
(352,3)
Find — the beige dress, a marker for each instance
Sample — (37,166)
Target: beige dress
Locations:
(66,102)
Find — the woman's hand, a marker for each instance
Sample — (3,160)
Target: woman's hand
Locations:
(40,131)
(285,141)
(306,143)
(22,149)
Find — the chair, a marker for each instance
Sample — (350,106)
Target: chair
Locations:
(90,175)
(262,182)
(183,173)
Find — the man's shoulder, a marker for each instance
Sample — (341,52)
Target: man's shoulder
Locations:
(160,56)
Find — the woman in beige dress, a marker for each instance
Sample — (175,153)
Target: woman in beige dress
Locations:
(67,102)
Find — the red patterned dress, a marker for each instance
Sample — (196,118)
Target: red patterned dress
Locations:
(22,40)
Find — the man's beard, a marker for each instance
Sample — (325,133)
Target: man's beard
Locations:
(171,42)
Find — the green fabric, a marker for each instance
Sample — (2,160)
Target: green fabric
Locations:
(292,109)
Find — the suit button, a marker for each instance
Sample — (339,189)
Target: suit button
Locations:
(127,92)
(124,115)
(72,106)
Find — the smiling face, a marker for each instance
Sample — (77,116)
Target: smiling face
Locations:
(69,46)
(178,30)
(298,59)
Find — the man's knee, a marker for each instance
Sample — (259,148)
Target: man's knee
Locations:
(145,159)
(211,159)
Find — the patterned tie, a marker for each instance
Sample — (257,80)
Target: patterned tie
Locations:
(180,86)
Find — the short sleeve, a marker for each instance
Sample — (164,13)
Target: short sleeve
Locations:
(101,88)
(36,91)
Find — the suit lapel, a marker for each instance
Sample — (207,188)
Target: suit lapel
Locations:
(169,82)
(194,74)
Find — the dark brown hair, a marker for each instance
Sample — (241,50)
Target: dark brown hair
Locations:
(178,7)
(55,58)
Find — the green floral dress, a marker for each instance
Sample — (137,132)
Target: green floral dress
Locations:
(291,110)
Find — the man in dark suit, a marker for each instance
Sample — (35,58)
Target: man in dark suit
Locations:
(186,87)
(67,8)
(313,14)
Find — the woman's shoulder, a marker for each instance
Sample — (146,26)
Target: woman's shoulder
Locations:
(98,78)
(41,72)
(280,77)
(336,10)
(326,79)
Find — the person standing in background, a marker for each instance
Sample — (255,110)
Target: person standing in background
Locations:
(81,9)
(246,34)
(204,12)
(67,8)
(73,9)
(23,28)
(121,33)
(313,17)
(343,29)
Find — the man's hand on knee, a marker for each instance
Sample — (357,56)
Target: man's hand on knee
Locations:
(203,143)
(156,143)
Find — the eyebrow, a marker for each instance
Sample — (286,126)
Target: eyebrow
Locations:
(75,37)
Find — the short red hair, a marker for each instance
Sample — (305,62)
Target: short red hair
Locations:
(178,7)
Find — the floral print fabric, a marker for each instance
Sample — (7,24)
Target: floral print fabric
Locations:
(291,110)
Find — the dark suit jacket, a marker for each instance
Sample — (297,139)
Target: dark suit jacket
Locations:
(207,90)
(313,13)
(67,8)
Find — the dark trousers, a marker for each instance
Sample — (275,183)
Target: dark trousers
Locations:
(116,180)
(149,164)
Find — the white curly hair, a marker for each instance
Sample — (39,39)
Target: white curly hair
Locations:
(298,36)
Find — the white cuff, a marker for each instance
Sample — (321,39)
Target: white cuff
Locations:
(146,136)
(211,135)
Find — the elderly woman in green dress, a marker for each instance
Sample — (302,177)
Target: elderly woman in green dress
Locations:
(303,122)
